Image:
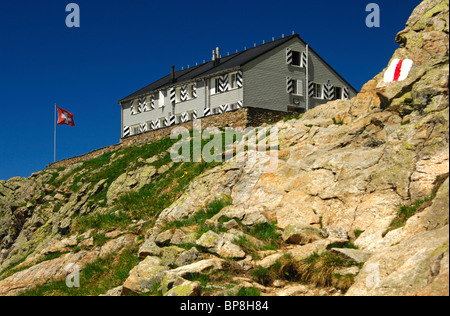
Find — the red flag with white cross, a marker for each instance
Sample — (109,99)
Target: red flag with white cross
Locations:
(65,117)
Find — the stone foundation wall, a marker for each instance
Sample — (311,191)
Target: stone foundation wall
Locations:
(244,117)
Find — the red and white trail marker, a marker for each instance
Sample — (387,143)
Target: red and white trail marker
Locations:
(398,70)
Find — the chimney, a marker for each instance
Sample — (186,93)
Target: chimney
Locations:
(213,55)
(217,56)
(172,76)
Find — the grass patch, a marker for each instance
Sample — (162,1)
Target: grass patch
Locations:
(248,291)
(345,244)
(405,212)
(99,239)
(262,275)
(319,269)
(337,122)
(202,216)
(358,233)
(101,222)
(343,282)
(292,116)
(267,232)
(95,278)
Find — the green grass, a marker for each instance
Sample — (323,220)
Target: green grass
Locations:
(345,244)
(101,222)
(358,233)
(405,212)
(262,275)
(292,116)
(267,232)
(99,239)
(319,269)
(337,122)
(200,217)
(95,278)
(248,291)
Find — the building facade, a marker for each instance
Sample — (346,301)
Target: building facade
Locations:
(282,75)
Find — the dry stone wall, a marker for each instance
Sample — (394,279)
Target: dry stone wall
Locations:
(244,117)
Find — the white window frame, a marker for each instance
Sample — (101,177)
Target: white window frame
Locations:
(134,128)
(298,87)
(231,81)
(321,91)
(214,89)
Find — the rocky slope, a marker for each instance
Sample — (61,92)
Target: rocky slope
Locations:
(358,203)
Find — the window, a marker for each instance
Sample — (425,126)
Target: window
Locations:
(296,58)
(216,85)
(317,90)
(233,81)
(162,96)
(190,91)
(337,93)
(178,95)
(136,106)
(297,87)
(136,130)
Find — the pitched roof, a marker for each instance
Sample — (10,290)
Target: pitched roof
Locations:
(207,69)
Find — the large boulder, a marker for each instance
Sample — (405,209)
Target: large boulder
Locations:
(417,266)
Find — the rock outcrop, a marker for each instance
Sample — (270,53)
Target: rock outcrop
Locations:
(361,182)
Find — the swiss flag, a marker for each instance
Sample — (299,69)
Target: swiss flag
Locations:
(65,117)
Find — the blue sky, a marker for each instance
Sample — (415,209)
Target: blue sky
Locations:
(123,46)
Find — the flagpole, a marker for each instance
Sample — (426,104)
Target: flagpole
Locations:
(54,143)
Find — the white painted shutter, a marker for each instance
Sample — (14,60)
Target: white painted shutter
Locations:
(289,85)
(288,56)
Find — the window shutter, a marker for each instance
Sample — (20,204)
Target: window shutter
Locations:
(345,93)
(194,90)
(223,83)
(132,111)
(184,117)
(239,79)
(184,93)
(304,60)
(328,91)
(172,95)
(311,89)
(223,108)
(156,124)
(152,102)
(288,56)
(289,85)
(143,127)
(126,131)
